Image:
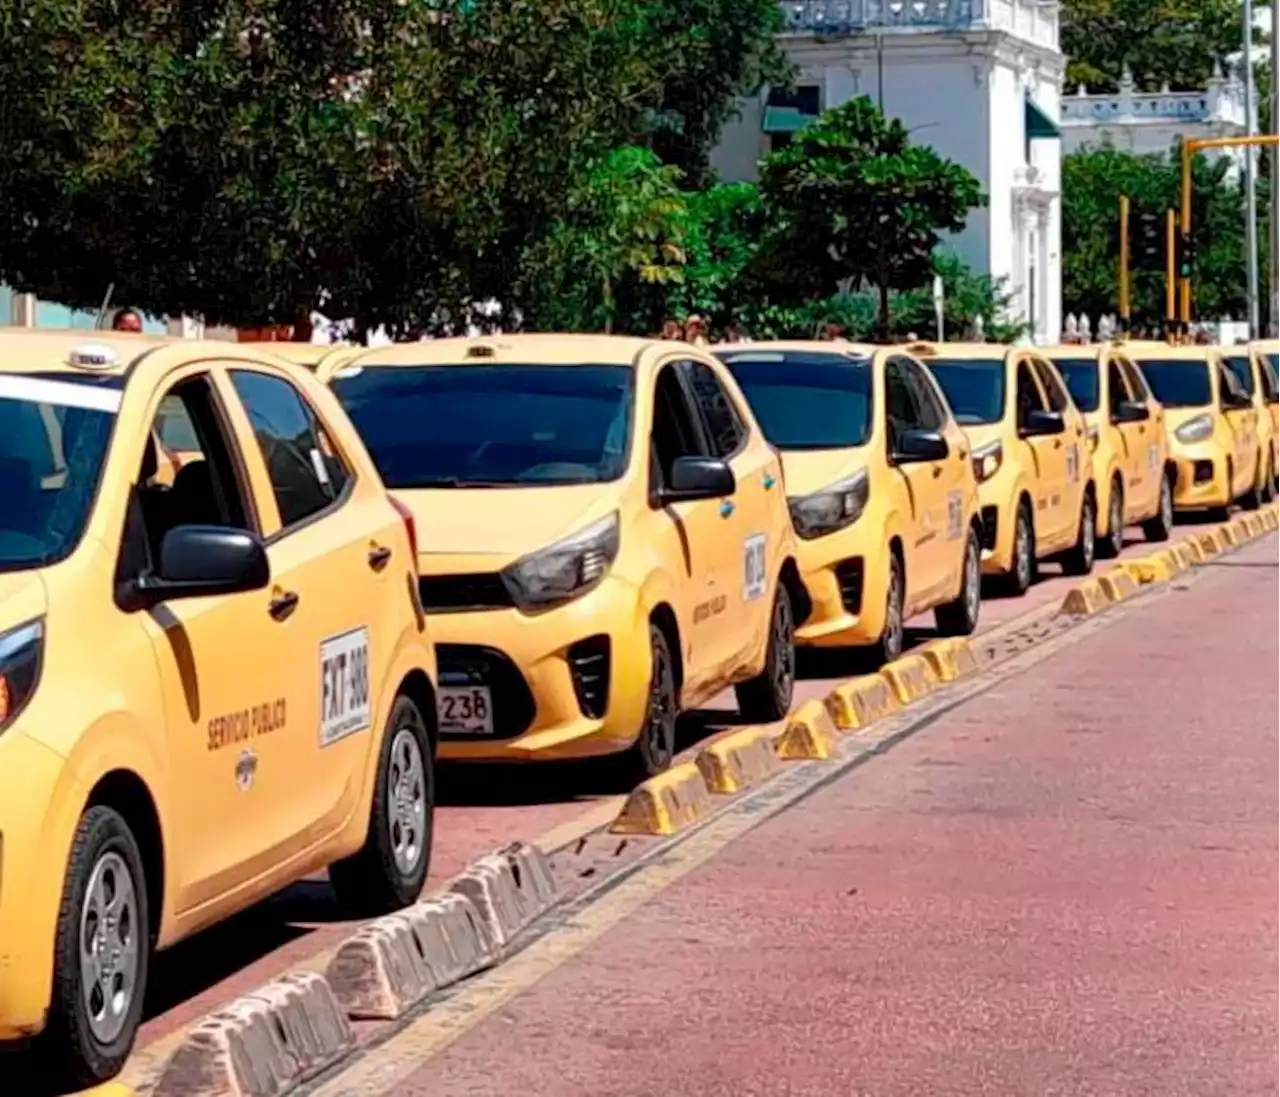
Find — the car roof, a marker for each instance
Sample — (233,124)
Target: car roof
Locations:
(1075,350)
(49,350)
(301,354)
(814,346)
(1195,352)
(1265,346)
(925,349)
(521,349)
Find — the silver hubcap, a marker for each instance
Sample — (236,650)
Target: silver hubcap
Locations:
(972,581)
(109,947)
(893,616)
(1022,552)
(1117,520)
(1086,532)
(1166,504)
(407,805)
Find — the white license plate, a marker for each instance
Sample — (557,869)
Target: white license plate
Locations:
(466,710)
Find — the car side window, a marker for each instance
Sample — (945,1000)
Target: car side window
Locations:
(1029,396)
(931,413)
(174,426)
(208,489)
(675,431)
(900,409)
(1059,398)
(725,432)
(307,474)
(1117,387)
(1137,383)
(1230,392)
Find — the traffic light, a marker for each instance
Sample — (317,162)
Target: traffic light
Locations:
(1148,240)
(1186,255)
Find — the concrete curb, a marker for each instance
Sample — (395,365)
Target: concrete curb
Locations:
(911,677)
(810,734)
(261,1045)
(860,701)
(1085,599)
(509,888)
(1158,568)
(738,760)
(665,804)
(950,659)
(1117,584)
(108,1089)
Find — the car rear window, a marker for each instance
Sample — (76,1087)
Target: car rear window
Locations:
(489,425)
(1081,376)
(974,387)
(806,400)
(1178,383)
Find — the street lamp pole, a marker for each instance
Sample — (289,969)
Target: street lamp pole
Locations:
(1273,252)
(1250,178)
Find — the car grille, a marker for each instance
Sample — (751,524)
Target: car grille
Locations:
(463,593)
(849,576)
(589,662)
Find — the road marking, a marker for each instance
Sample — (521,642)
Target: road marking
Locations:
(432,1028)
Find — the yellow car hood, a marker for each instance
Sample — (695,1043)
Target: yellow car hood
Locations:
(807,471)
(505,522)
(22,598)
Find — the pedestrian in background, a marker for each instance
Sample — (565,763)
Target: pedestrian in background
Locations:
(127,320)
(695,331)
(671,329)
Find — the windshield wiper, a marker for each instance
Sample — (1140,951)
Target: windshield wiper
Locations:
(448,482)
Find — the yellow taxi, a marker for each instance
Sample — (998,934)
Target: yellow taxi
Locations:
(880,486)
(307,355)
(1265,353)
(1254,367)
(605,538)
(1127,443)
(1211,423)
(209,688)
(1030,454)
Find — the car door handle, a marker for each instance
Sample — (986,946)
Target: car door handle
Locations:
(726,508)
(378,557)
(1057,443)
(282,605)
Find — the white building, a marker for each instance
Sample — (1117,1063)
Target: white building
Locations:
(1151,122)
(979,80)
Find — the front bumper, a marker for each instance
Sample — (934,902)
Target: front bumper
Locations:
(32,869)
(846,574)
(571,682)
(1202,480)
(997,506)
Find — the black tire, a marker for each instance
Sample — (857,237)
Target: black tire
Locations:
(893,638)
(1159,527)
(1023,572)
(79,1043)
(1079,559)
(1253,498)
(390,869)
(767,697)
(1268,492)
(1110,546)
(960,616)
(655,748)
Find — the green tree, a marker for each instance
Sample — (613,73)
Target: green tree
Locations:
(1162,41)
(854,202)
(248,163)
(626,221)
(1093,181)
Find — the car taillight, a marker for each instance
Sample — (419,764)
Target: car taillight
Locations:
(410,526)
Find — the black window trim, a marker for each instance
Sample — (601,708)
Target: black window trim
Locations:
(1050,383)
(695,418)
(1028,360)
(929,383)
(348,489)
(683,365)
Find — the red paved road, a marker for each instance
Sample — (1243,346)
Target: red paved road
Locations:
(484,808)
(1066,886)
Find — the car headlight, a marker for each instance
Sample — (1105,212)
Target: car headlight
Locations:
(565,570)
(1195,430)
(833,508)
(21,652)
(987,461)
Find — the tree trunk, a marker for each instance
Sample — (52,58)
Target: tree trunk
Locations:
(608,305)
(882,319)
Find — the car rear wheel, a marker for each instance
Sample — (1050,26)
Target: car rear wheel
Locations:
(960,617)
(1110,546)
(1160,526)
(1078,560)
(102,951)
(767,697)
(389,871)
(1023,571)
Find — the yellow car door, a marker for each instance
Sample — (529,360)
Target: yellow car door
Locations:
(1152,446)
(230,700)
(1051,473)
(332,543)
(1131,447)
(1241,416)
(751,524)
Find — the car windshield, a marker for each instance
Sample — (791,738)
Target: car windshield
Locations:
(490,425)
(1242,368)
(1178,383)
(53,442)
(974,387)
(806,400)
(1081,376)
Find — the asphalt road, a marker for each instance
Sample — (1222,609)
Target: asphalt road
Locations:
(1066,885)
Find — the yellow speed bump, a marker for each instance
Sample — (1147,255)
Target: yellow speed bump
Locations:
(1151,569)
(911,677)
(1186,553)
(108,1089)
(810,734)
(1085,599)
(1211,543)
(1271,517)
(1229,534)
(737,760)
(666,803)
(1191,548)
(1117,584)
(950,659)
(860,701)
(1253,523)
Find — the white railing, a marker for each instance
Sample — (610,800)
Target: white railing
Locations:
(1032,20)
(1222,102)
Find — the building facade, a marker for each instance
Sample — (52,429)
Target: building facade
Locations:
(979,80)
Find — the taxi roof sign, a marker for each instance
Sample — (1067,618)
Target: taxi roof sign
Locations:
(93,356)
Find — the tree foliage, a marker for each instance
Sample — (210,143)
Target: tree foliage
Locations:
(1093,181)
(1162,41)
(858,204)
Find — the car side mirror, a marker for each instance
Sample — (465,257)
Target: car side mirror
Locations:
(1130,411)
(199,561)
(918,446)
(1041,422)
(695,478)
